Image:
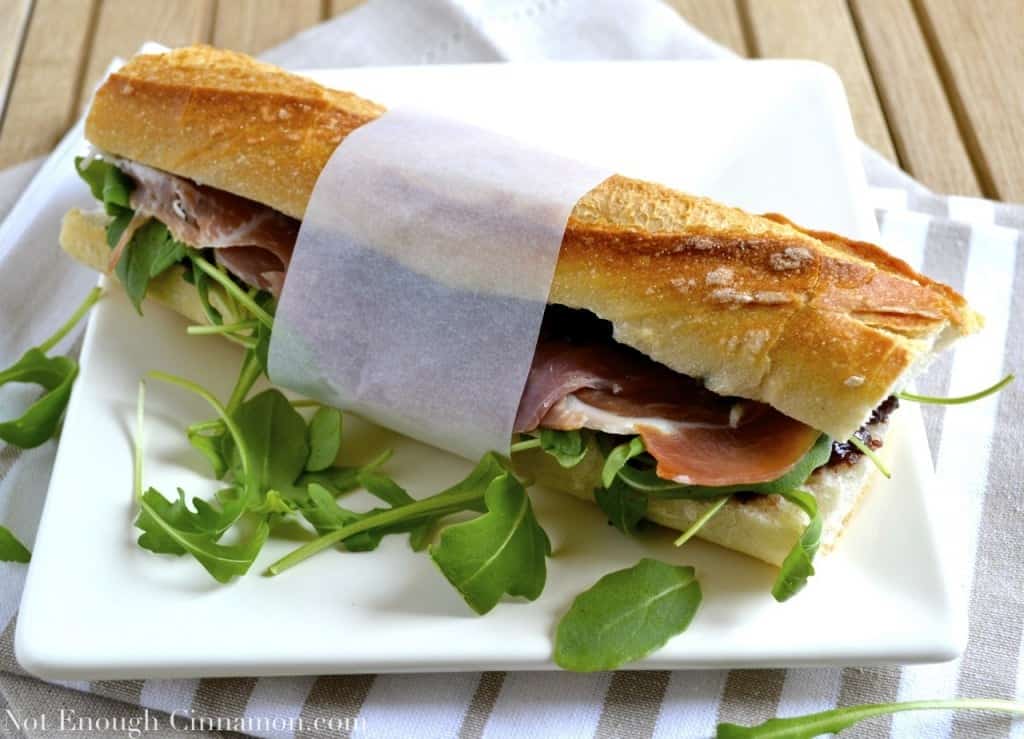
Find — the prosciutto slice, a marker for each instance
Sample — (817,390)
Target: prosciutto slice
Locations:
(252,241)
(696,436)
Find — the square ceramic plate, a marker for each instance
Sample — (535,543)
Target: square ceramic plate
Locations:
(764,136)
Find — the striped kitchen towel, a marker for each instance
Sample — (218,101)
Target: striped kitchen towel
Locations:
(970,243)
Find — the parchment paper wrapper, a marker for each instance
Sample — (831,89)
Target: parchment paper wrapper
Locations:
(416,291)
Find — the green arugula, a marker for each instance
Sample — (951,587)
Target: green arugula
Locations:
(626,615)
(107,183)
(55,375)
(857,443)
(176,515)
(623,505)
(201,281)
(702,519)
(12,550)
(324,438)
(325,515)
(170,528)
(394,495)
(798,565)
(466,495)
(958,400)
(150,252)
(210,446)
(221,561)
(502,551)
(834,721)
(111,187)
(617,458)
(567,447)
(274,435)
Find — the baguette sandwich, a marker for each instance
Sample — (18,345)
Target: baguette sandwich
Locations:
(708,352)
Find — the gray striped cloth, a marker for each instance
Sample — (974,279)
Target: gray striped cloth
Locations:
(971,244)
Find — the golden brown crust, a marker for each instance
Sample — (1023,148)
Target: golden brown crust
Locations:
(223,119)
(821,327)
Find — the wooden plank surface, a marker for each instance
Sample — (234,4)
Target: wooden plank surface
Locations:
(918,112)
(14,15)
(822,30)
(42,101)
(719,19)
(337,7)
(980,45)
(124,25)
(253,27)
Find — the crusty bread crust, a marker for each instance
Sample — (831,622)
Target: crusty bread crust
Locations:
(821,327)
(764,528)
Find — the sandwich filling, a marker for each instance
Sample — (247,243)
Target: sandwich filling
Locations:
(581,379)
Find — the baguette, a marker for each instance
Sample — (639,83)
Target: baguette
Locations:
(763,527)
(821,327)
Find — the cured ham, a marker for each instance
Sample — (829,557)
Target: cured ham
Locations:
(759,451)
(561,367)
(251,240)
(696,437)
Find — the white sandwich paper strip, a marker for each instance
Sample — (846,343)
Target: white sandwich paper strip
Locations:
(417,287)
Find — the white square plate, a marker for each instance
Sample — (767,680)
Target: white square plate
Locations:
(764,136)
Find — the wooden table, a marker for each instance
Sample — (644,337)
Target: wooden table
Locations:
(935,85)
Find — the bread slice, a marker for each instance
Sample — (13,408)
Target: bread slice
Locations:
(821,327)
(763,527)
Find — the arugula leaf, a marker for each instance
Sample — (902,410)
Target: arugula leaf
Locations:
(567,447)
(626,615)
(150,252)
(117,226)
(711,511)
(275,435)
(171,528)
(107,183)
(647,481)
(274,504)
(55,375)
(394,495)
(958,400)
(834,721)
(385,488)
(12,550)
(465,495)
(624,506)
(618,457)
(166,531)
(798,565)
(210,446)
(206,520)
(337,480)
(422,536)
(324,438)
(262,350)
(40,421)
(502,551)
(195,276)
(325,515)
